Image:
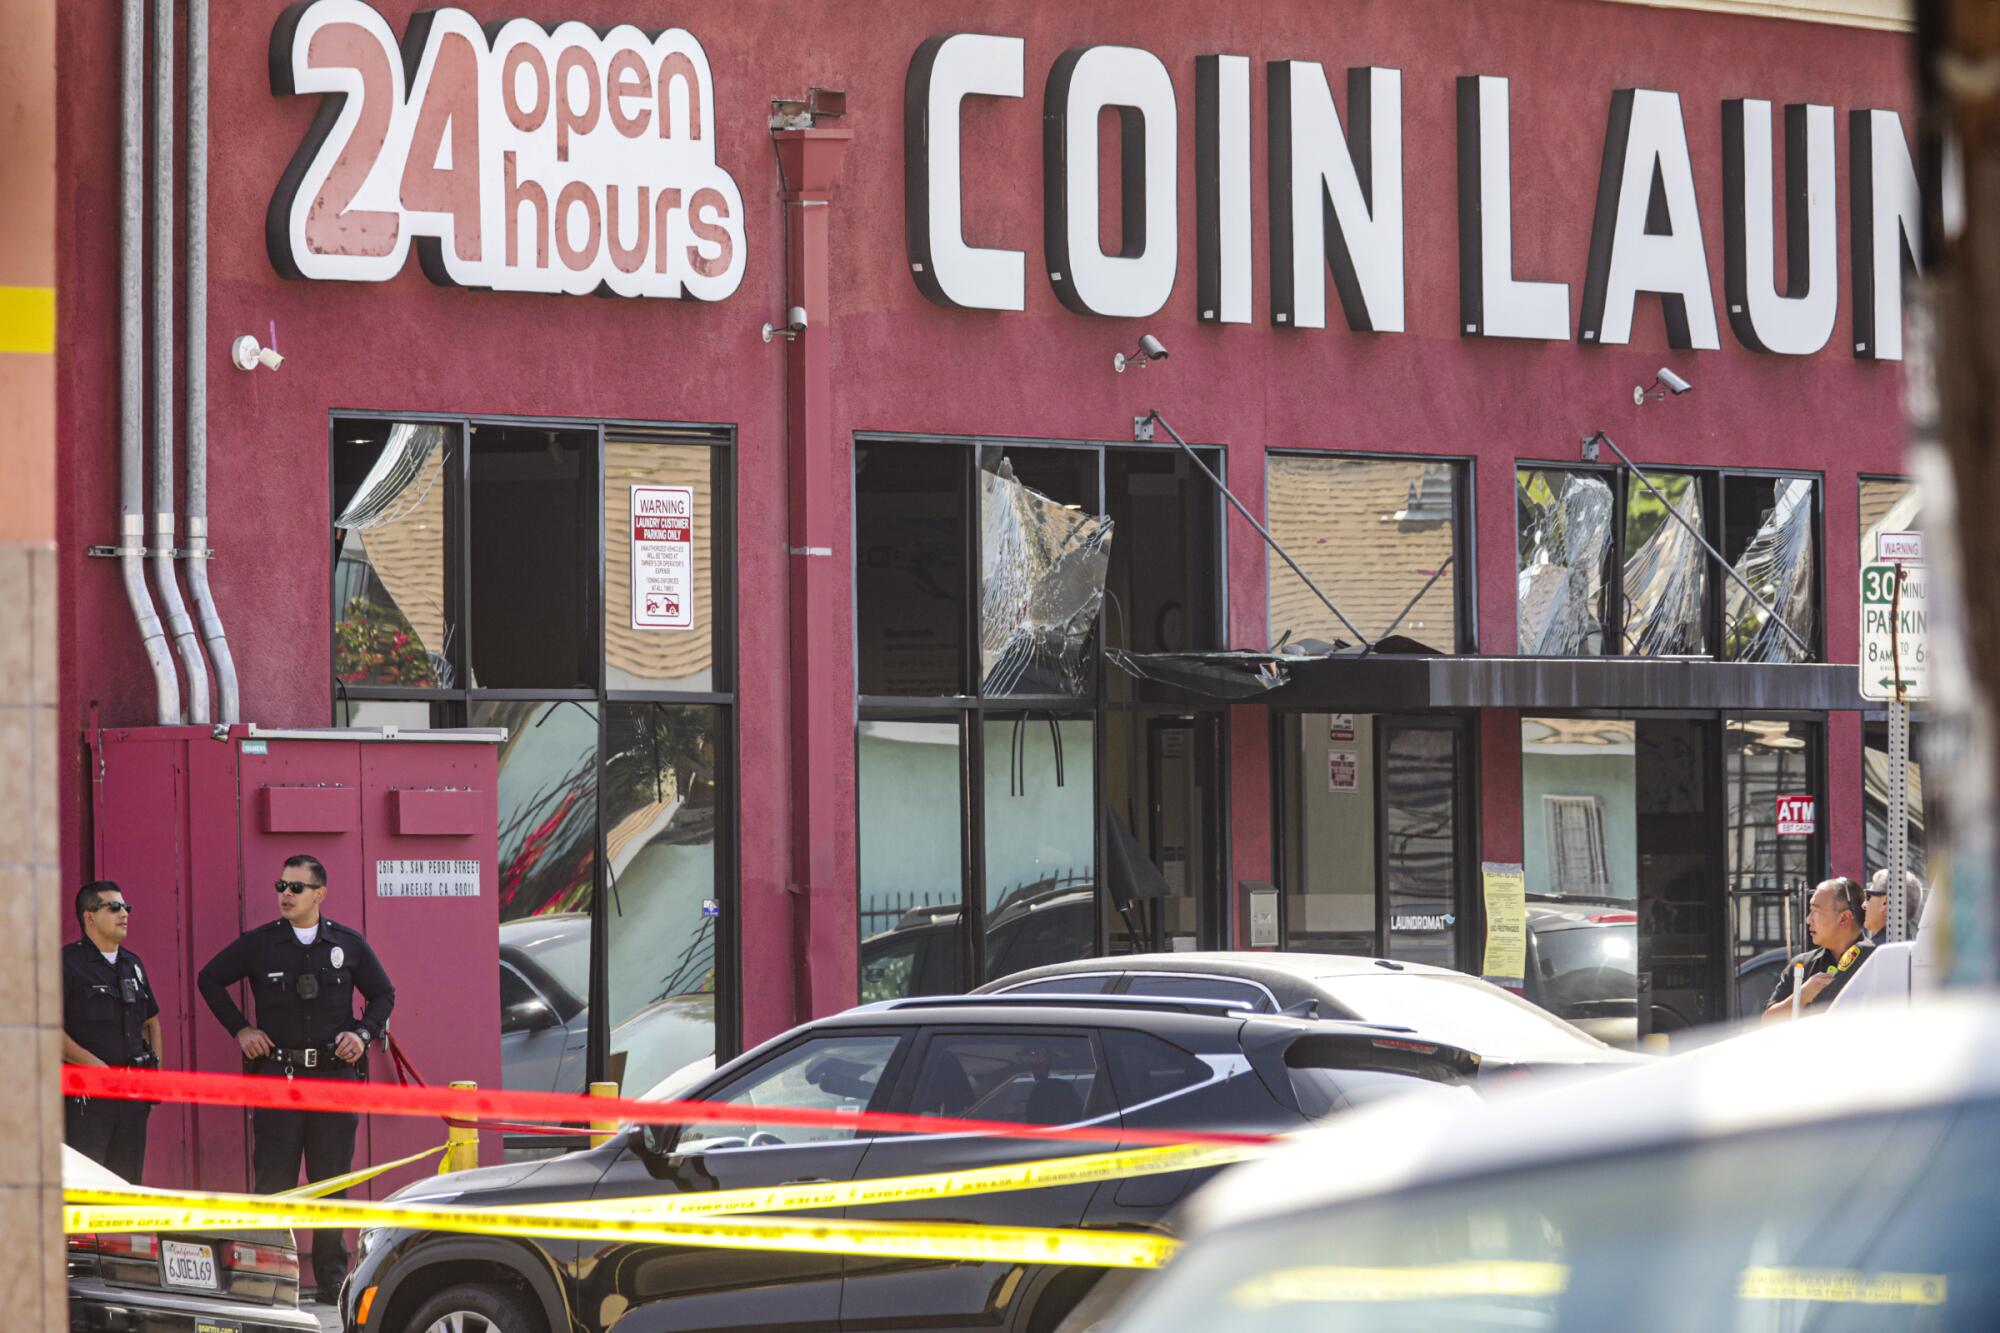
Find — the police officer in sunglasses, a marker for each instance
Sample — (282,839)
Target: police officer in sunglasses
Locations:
(304,972)
(109,1018)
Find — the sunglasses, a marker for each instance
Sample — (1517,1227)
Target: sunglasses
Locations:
(296,886)
(113,907)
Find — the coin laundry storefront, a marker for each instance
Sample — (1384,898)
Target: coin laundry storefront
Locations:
(729,411)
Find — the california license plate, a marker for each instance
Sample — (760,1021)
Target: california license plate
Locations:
(186,1265)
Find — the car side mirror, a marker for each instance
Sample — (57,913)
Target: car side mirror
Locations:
(659,1140)
(530,1015)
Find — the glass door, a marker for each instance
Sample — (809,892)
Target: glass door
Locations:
(1419,839)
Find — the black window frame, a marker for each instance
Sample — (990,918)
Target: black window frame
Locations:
(973,708)
(450,707)
(1713,483)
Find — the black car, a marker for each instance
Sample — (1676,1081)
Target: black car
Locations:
(1136,1063)
(919,954)
(179,1282)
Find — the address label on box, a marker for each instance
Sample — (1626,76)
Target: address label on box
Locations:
(427,879)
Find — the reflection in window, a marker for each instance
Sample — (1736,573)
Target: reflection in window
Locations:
(1329,794)
(1420,843)
(660,657)
(1042,561)
(1767,537)
(909,568)
(911,859)
(1665,572)
(534,558)
(1564,522)
(547,791)
(660,911)
(1378,535)
(390,622)
(1764,760)
(1041,847)
(821,1074)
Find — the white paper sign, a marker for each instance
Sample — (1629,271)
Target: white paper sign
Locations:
(662,557)
(426,879)
(1343,770)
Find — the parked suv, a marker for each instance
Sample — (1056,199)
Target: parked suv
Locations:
(1157,1064)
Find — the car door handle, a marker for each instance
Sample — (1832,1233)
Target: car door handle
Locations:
(810,1180)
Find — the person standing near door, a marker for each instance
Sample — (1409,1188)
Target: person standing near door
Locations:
(109,1018)
(1833,922)
(304,971)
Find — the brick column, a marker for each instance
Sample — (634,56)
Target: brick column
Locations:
(31,1260)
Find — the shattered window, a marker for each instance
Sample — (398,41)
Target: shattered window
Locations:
(1665,567)
(1042,560)
(1564,522)
(391,624)
(1379,536)
(1768,540)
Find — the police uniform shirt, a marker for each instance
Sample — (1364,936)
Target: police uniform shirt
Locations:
(105,1006)
(303,994)
(1822,960)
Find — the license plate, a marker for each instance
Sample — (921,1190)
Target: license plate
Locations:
(213,1326)
(185,1265)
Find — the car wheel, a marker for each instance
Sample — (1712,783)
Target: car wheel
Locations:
(475,1310)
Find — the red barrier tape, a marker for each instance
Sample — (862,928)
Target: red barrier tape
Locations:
(313,1094)
(406,1074)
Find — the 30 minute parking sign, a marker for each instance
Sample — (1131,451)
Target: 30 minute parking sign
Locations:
(1895,638)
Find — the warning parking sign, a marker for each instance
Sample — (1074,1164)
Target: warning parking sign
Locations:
(662,557)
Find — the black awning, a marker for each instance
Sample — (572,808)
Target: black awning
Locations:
(1348,681)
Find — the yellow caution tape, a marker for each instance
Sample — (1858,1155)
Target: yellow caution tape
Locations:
(1843,1286)
(319,1189)
(164,1210)
(1333,1284)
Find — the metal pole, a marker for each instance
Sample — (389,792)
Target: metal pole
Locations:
(1695,532)
(132,371)
(1896,924)
(1262,531)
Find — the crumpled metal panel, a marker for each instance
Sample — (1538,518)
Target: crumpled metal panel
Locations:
(1565,526)
(1665,578)
(1778,563)
(1042,568)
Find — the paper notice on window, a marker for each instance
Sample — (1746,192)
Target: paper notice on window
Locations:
(1506,922)
(1343,770)
(662,557)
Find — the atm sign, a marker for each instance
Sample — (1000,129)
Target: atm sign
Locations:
(1795,816)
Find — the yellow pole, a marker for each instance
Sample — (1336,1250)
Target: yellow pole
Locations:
(605,1128)
(461,1146)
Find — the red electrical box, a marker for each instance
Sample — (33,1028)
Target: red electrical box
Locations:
(195,825)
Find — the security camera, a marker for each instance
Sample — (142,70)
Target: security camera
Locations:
(1149,351)
(248,355)
(795,324)
(1664,382)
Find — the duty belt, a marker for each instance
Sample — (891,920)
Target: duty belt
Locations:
(309,1057)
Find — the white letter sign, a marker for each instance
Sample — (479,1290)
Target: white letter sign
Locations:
(662,557)
(1647,236)
(530,160)
(943,73)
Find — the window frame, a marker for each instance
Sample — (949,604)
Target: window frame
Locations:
(1713,485)
(450,707)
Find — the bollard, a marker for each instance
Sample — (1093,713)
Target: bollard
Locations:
(461,1146)
(605,1128)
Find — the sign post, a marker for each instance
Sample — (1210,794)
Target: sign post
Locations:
(1895,667)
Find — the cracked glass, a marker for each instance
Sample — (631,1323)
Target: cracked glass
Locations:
(391,624)
(1768,536)
(1664,575)
(1042,564)
(1561,586)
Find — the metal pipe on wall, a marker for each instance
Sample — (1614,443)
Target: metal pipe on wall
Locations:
(131,369)
(165,582)
(229,707)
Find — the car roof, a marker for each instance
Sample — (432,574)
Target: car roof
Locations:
(1243,963)
(1939,1053)
(966,1011)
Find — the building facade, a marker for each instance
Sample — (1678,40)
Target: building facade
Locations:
(729,411)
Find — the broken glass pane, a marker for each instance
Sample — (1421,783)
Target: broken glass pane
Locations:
(390,622)
(1564,520)
(1665,575)
(1042,566)
(1778,563)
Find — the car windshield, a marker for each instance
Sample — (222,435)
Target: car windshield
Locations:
(1867,1223)
(1463,1011)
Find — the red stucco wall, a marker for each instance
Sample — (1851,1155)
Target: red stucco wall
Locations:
(902,364)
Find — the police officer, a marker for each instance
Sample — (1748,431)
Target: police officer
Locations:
(304,971)
(1833,922)
(109,1018)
